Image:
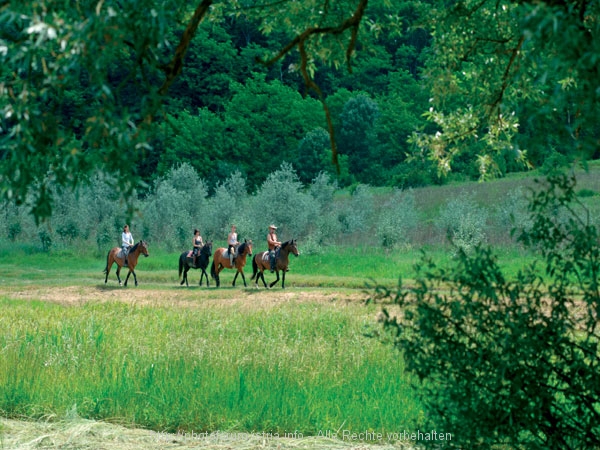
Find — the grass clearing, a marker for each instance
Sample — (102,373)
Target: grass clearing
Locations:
(174,359)
(170,358)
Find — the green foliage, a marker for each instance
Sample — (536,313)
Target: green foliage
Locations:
(497,67)
(83,87)
(357,135)
(465,222)
(398,218)
(511,363)
(282,201)
(356,214)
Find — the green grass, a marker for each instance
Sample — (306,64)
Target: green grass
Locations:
(341,267)
(209,359)
(295,366)
(200,359)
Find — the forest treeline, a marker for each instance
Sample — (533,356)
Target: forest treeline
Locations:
(226,112)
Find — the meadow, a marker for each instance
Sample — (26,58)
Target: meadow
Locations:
(173,359)
(170,358)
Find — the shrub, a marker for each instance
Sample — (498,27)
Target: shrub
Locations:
(357,214)
(281,200)
(512,364)
(512,213)
(464,222)
(398,217)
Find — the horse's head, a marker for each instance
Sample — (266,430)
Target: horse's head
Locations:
(247,247)
(207,249)
(294,247)
(290,247)
(144,248)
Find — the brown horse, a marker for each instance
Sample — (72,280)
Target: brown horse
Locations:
(132,260)
(261,262)
(221,261)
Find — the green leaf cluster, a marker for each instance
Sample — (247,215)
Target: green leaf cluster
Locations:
(511,363)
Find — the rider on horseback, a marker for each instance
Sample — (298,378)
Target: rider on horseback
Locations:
(197,243)
(273,245)
(126,243)
(232,244)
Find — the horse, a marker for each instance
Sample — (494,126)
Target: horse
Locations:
(261,262)
(114,256)
(221,261)
(187,262)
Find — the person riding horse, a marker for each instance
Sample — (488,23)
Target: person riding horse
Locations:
(273,245)
(198,244)
(232,244)
(126,243)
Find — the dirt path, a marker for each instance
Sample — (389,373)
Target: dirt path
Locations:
(180,296)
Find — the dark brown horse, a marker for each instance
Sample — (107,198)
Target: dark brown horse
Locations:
(261,262)
(221,261)
(187,262)
(132,260)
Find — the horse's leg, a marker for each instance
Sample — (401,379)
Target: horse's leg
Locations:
(283,279)
(217,271)
(235,278)
(262,276)
(127,277)
(275,282)
(184,278)
(244,278)
(134,277)
(119,274)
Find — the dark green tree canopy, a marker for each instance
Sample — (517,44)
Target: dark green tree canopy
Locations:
(83,85)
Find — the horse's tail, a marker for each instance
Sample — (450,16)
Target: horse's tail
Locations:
(107,259)
(213,271)
(254,268)
(180,266)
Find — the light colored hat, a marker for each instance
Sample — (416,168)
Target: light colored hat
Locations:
(273,226)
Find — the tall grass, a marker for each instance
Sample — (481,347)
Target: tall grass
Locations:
(292,367)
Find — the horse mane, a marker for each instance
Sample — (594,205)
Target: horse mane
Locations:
(135,246)
(241,248)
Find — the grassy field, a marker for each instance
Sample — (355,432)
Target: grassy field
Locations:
(170,358)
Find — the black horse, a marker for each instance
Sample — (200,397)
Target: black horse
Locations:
(187,262)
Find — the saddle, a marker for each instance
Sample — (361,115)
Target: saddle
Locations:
(226,254)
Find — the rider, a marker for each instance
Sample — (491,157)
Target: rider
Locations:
(273,244)
(232,243)
(197,243)
(126,243)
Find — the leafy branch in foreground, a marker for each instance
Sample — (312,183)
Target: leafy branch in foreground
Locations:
(510,363)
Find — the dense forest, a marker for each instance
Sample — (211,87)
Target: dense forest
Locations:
(228,111)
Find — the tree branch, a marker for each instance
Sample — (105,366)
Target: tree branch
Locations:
(173,68)
(299,41)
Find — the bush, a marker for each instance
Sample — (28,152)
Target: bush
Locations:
(398,217)
(281,200)
(511,364)
(464,222)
